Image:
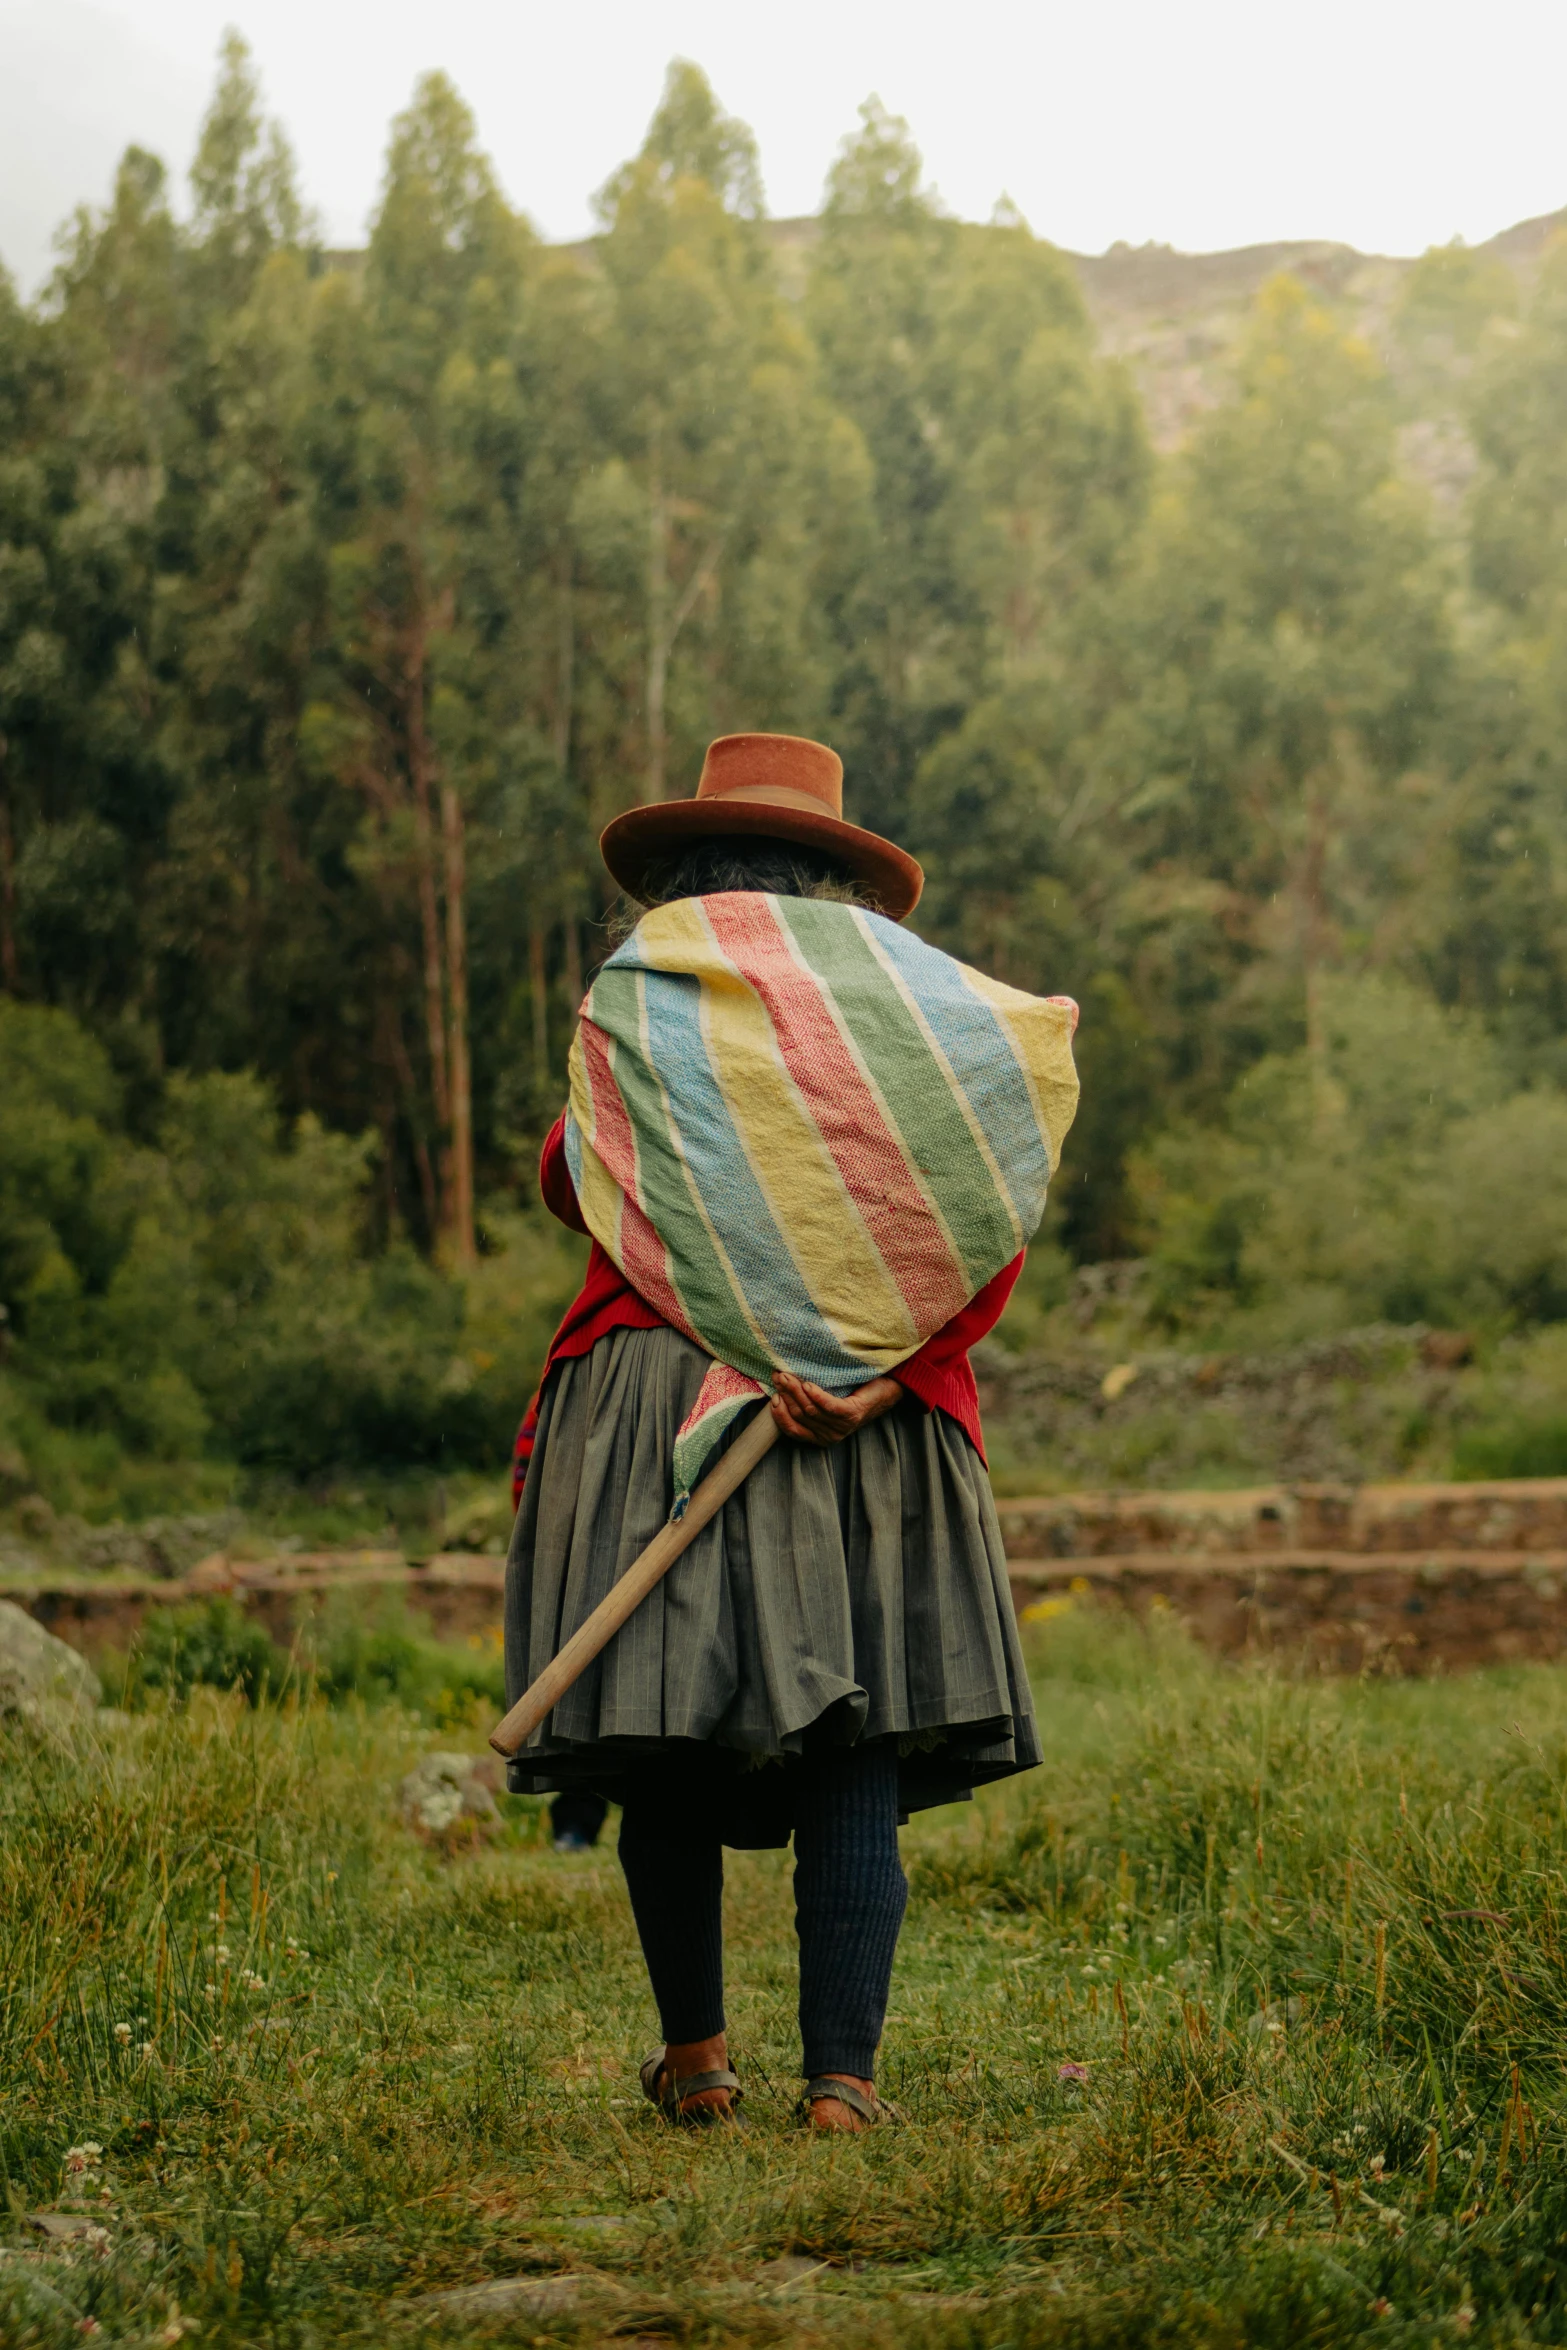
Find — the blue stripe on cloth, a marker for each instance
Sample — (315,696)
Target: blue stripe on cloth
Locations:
(791,1323)
(983,1062)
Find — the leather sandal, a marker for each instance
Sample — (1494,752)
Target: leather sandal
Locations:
(669,2092)
(871,2110)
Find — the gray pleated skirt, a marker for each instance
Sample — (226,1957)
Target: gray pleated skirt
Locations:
(842,1595)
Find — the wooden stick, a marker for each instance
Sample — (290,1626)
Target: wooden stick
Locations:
(511,1734)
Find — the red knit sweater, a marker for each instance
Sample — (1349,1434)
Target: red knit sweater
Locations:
(939,1374)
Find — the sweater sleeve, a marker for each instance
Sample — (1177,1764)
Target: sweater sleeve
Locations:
(940,1374)
(969,1324)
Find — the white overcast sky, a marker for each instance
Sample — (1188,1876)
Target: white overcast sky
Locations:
(1391,124)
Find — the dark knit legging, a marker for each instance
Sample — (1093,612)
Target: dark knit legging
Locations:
(849,1896)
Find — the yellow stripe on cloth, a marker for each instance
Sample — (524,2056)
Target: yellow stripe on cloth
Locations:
(601,1198)
(934,1047)
(1041,1030)
(815,1212)
(598,1194)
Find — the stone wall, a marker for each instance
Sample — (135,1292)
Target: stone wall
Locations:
(1416,1578)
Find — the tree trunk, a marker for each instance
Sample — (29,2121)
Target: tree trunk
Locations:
(657,618)
(663,624)
(1314,934)
(454,841)
(565,666)
(402,1067)
(564,688)
(573,965)
(10,976)
(539,1003)
(386,1089)
(419,775)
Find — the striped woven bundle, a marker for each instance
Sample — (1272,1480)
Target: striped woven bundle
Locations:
(807,1138)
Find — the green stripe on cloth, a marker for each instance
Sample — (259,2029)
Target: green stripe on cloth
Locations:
(874,1103)
(896,1052)
(668,1198)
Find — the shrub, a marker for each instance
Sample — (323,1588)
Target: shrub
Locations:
(1526,1448)
(1397,1178)
(388,1661)
(214,1646)
(217,1294)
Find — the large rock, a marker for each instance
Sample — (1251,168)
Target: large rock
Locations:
(40,1678)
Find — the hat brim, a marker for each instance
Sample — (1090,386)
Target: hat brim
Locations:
(632,842)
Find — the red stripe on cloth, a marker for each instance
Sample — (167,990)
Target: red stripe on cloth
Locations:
(612,1137)
(723,1384)
(866,1151)
(940,1374)
(645,1262)
(643,1256)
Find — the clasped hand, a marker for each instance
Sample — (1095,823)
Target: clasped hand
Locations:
(812,1416)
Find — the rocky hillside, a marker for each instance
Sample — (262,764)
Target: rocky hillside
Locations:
(1174,317)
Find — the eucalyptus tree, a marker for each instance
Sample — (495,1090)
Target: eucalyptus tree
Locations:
(905,629)
(723,456)
(1495,937)
(83,794)
(1293,647)
(446,258)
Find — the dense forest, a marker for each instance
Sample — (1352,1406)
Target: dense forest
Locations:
(344,597)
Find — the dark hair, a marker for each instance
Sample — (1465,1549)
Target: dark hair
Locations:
(708,868)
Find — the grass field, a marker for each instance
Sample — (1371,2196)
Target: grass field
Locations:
(1240,2022)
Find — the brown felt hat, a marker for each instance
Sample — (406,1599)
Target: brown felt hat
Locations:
(778,786)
